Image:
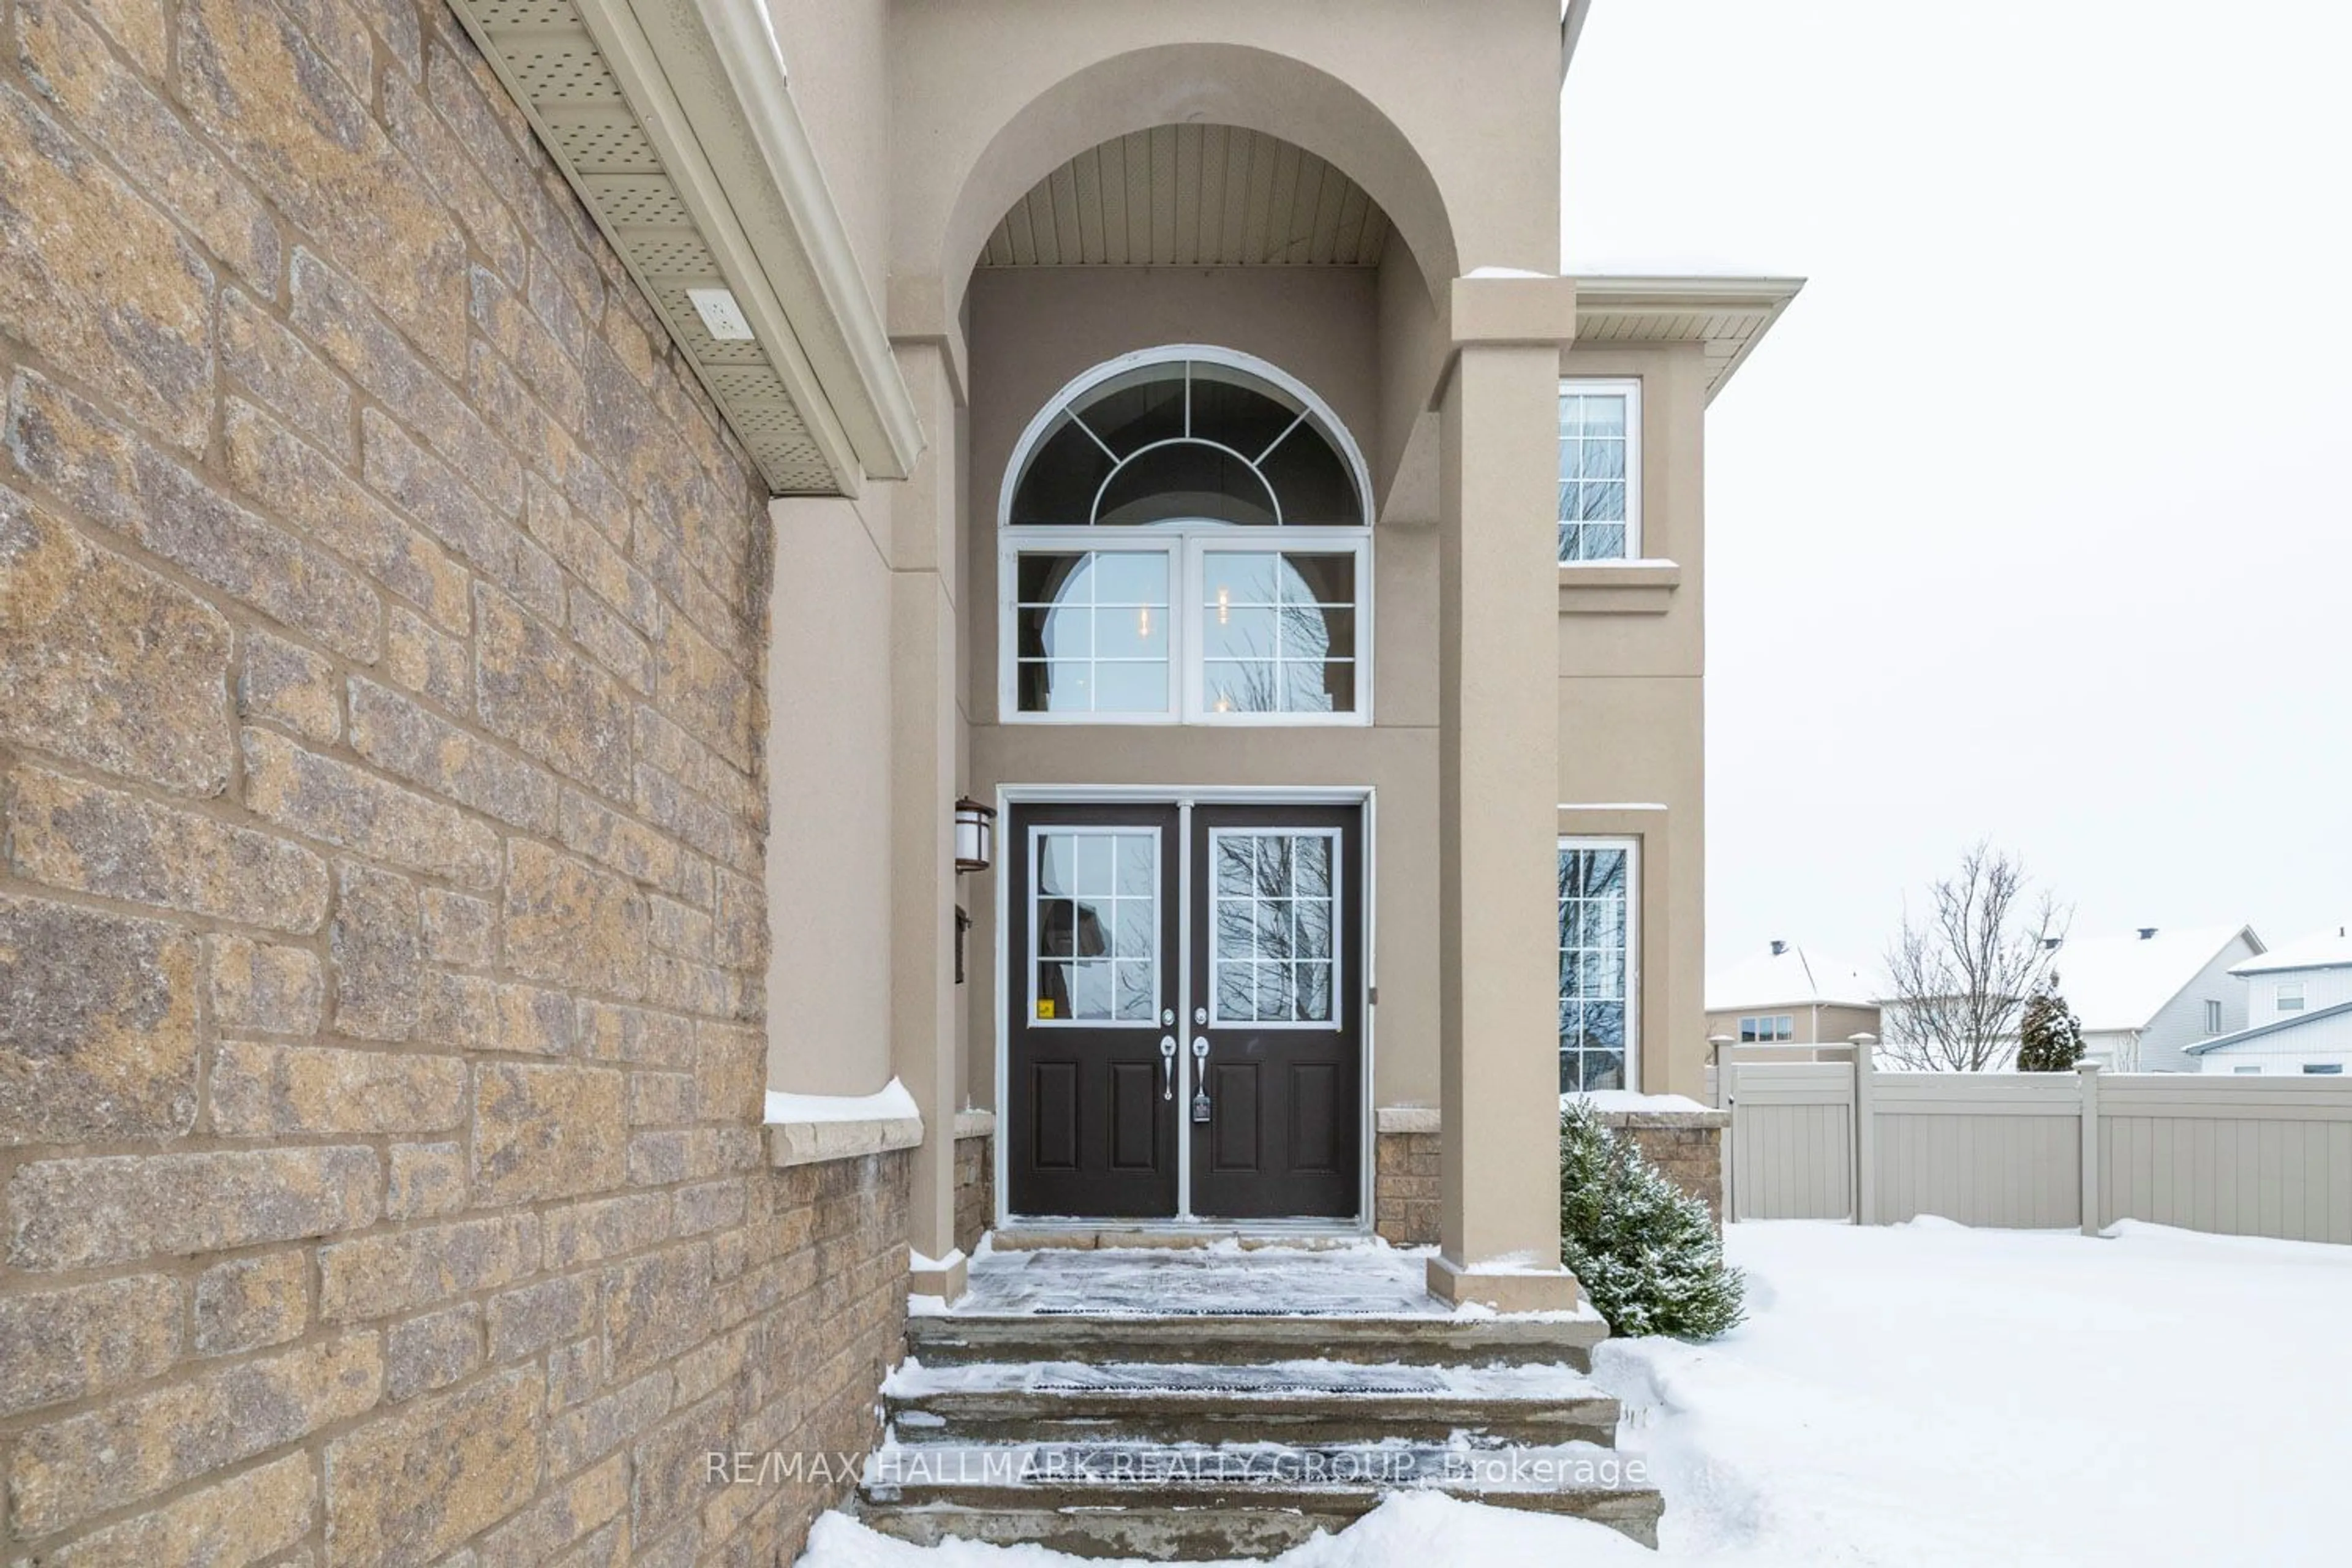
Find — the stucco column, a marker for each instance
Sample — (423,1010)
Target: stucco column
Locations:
(924,736)
(1499,780)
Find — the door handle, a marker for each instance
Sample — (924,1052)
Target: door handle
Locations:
(1201,1077)
(1167,1066)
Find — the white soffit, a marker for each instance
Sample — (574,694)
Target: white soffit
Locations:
(670,120)
(1192,195)
(1727,317)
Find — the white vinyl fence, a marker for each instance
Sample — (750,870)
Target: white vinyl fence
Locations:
(1820,1132)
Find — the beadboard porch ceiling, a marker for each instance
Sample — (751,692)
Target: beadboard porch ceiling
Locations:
(1192,195)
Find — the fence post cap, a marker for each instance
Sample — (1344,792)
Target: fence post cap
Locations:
(1865,1038)
(2086,1066)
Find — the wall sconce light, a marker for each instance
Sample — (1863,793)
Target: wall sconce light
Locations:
(975,835)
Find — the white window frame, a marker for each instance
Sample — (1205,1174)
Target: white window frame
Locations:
(1634,902)
(2241,1072)
(1186,544)
(2323,1069)
(2287,996)
(1187,547)
(1630,387)
(1159,915)
(1338,1020)
(2212,1017)
(1752,1028)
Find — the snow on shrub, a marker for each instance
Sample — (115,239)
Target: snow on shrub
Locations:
(1644,1250)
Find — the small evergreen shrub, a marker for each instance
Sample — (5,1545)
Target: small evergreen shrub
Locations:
(2050,1037)
(1644,1250)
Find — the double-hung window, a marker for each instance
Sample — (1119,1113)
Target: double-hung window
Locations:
(2288,998)
(1768,1029)
(1599,1035)
(1185,540)
(1599,469)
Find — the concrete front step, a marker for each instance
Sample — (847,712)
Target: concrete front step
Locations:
(1299,1402)
(1169,1502)
(1225,1337)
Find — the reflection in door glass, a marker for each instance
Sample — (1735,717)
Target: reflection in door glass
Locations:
(1094,926)
(1271,919)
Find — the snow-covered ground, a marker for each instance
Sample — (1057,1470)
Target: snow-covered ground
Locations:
(1927,1394)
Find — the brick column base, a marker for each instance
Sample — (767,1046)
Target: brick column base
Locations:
(1686,1145)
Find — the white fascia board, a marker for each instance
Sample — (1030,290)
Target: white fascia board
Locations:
(707,80)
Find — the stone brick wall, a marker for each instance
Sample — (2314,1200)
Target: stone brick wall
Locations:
(1405,1185)
(975,1190)
(1686,1146)
(381,925)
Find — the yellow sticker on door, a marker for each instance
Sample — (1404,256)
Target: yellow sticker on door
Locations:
(1044,1006)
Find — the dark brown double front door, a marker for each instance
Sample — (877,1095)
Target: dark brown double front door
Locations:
(1185,990)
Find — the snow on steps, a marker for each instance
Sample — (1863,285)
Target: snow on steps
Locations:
(1228,1337)
(1319,1401)
(1228,1401)
(1196,1502)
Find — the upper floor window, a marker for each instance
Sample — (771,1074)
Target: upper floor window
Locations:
(1185,538)
(2290,996)
(1770,1029)
(1599,469)
(2213,1015)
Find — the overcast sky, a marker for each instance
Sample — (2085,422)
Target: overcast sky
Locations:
(2030,520)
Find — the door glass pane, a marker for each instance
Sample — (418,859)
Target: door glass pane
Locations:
(1095,926)
(1091,631)
(1278,631)
(1272,918)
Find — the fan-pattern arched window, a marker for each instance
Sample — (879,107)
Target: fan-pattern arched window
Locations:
(1185,538)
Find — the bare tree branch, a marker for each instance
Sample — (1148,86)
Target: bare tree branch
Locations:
(1961,974)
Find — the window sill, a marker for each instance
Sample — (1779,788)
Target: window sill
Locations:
(1644,587)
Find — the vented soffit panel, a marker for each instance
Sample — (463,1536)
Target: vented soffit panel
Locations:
(670,120)
(1727,317)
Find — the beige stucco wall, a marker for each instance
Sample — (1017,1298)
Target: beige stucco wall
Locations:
(961,107)
(1414,101)
(829,838)
(1632,715)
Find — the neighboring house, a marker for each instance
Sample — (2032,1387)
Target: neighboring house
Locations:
(1790,995)
(2145,997)
(530,524)
(2299,1012)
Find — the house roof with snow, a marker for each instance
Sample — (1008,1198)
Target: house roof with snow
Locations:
(2328,949)
(2262,1031)
(1791,977)
(2118,983)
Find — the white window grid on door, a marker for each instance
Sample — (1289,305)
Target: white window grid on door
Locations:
(1116,900)
(1187,548)
(1221,963)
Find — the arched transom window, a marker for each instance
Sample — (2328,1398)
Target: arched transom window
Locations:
(1184,539)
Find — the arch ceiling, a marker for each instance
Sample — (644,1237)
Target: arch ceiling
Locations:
(1192,195)
(1266,96)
